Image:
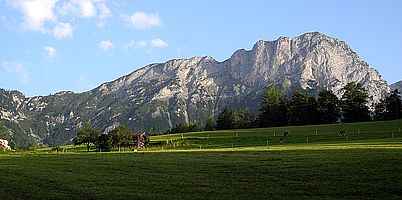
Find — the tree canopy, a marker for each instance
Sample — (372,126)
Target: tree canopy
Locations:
(390,107)
(227,119)
(117,136)
(354,103)
(328,107)
(87,135)
(302,109)
(273,108)
(210,125)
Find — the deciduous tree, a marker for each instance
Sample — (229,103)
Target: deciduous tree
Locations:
(119,135)
(86,135)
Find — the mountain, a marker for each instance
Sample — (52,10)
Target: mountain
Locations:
(397,85)
(191,89)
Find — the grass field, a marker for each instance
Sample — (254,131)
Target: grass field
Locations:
(316,134)
(365,165)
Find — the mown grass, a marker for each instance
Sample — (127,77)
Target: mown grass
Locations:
(315,134)
(367,166)
(293,174)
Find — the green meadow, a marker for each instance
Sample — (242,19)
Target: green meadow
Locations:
(313,162)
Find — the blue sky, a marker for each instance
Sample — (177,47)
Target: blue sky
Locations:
(48,46)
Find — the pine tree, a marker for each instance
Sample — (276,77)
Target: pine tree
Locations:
(393,105)
(227,119)
(354,103)
(246,118)
(302,109)
(390,107)
(234,121)
(328,107)
(273,108)
(222,121)
(210,125)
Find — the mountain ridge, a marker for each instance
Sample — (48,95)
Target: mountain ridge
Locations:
(193,89)
(397,85)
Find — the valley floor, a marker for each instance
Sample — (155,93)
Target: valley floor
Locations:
(370,172)
(235,164)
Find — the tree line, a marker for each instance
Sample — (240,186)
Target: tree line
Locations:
(303,109)
(117,138)
(276,109)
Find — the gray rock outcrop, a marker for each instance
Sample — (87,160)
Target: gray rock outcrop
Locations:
(193,89)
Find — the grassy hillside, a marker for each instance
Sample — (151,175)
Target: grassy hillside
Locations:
(368,165)
(316,134)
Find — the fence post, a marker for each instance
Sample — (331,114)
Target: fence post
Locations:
(307,139)
(316,132)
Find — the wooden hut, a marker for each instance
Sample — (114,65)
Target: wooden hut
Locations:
(137,140)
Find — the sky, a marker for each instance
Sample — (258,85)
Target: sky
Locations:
(47,46)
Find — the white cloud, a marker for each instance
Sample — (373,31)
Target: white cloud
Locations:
(63,30)
(82,8)
(18,68)
(158,43)
(87,9)
(145,44)
(136,44)
(50,52)
(106,45)
(104,13)
(141,20)
(36,13)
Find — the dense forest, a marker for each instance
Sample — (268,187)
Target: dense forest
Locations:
(302,109)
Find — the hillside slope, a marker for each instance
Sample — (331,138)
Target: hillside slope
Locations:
(192,89)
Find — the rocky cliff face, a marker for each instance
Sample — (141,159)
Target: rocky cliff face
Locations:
(192,89)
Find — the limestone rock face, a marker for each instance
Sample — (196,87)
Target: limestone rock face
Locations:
(164,94)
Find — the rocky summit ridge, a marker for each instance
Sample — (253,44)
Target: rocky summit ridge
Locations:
(193,89)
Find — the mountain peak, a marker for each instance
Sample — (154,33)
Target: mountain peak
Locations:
(194,89)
